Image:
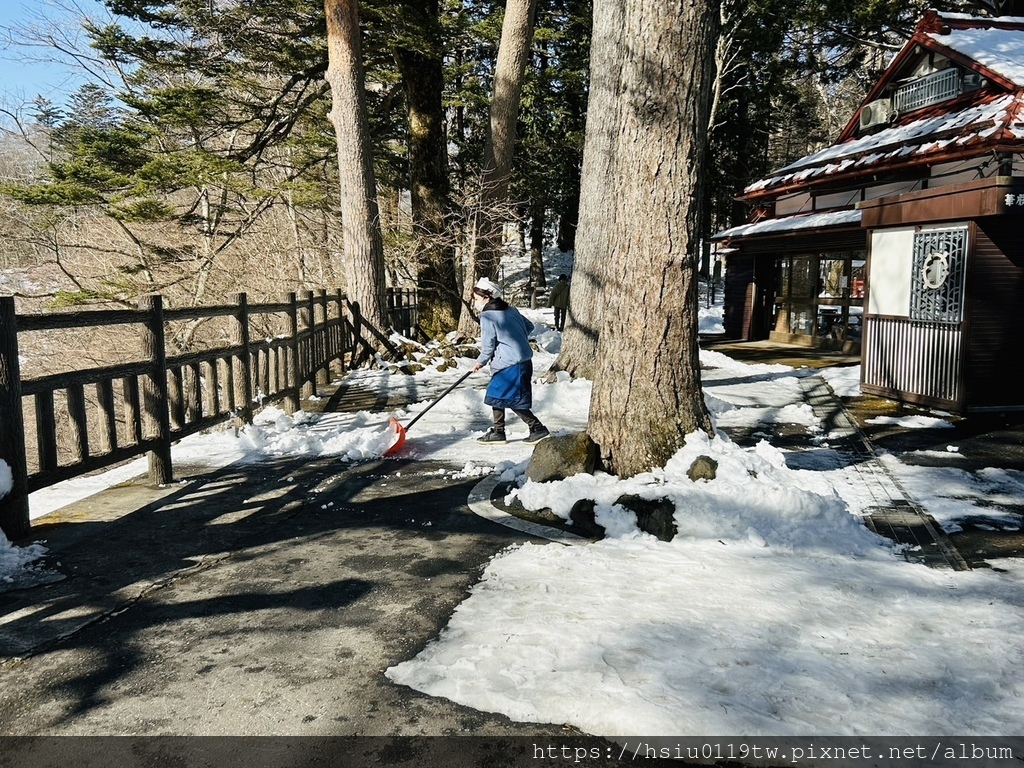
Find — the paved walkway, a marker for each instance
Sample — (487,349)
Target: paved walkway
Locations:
(893,514)
(269,598)
(259,599)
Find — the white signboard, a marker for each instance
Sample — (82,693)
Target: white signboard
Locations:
(892,258)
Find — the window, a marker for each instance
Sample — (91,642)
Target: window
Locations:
(832,278)
(858,279)
(817,293)
(937,281)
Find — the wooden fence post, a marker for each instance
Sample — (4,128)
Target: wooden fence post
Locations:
(291,401)
(341,344)
(154,399)
(243,362)
(14,518)
(323,346)
(357,331)
(309,347)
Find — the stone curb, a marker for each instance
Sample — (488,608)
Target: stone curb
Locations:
(480,502)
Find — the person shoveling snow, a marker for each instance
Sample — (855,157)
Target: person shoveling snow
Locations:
(505,344)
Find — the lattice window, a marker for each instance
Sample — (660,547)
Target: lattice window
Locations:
(937,283)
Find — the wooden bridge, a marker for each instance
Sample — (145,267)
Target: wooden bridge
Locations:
(59,426)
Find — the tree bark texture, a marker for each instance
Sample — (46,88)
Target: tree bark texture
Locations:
(423,81)
(647,389)
(360,217)
(579,341)
(509,73)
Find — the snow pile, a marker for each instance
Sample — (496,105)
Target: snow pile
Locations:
(755,501)
(634,636)
(844,381)
(774,611)
(912,422)
(275,433)
(6,479)
(710,320)
(13,559)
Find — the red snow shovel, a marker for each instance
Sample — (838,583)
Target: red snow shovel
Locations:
(399,430)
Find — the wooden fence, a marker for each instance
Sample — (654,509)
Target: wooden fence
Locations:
(110,414)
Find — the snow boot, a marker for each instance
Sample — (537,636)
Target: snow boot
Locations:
(536,435)
(492,437)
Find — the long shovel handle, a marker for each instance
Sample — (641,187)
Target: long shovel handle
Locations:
(438,399)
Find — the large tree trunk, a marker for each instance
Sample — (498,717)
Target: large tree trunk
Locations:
(647,389)
(509,73)
(423,80)
(579,341)
(362,248)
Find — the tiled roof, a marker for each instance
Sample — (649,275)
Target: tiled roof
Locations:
(935,133)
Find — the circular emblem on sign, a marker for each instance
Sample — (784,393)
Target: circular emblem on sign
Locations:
(935,270)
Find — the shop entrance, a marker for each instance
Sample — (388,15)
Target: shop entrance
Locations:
(819,299)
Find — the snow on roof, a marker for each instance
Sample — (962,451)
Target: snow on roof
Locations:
(982,19)
(928,135)
(790,223)
(1001,50)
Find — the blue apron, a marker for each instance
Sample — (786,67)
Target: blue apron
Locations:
(510,387)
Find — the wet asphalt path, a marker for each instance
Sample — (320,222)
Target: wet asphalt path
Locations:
(261,599)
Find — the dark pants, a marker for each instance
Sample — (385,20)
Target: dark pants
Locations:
(560,313)
(527,416)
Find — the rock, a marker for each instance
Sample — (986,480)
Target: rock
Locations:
(560,457)
(703,468)
(656,517)
(583,522)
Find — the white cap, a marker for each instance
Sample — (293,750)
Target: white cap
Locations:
(488,286)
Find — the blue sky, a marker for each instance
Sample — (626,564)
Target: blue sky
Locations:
(21,79)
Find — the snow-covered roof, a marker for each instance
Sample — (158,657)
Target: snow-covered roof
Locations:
(1001,50)
(931,135)
(992,46)
(982,19)
(791,223)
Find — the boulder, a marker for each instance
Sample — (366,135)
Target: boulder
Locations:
(653,516)
(560,457)
(703,468)
(583,522)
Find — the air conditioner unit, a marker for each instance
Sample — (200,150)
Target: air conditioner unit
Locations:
(875,113)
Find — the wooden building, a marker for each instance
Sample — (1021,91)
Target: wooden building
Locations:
(904,240)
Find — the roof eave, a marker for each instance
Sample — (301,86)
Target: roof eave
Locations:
(978,150)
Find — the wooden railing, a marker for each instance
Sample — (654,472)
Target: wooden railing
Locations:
(85,420)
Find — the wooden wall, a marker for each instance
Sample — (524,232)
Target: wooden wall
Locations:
(995,326)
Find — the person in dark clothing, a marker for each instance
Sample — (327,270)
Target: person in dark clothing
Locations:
(559,300)
(505,344)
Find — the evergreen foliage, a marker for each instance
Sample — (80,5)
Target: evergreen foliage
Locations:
(221,108)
